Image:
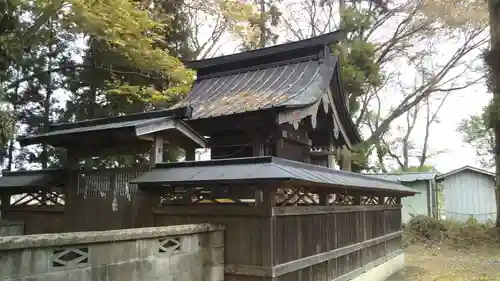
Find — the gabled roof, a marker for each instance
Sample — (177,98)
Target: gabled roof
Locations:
(293,75)
(465,168)
(137,125)
(258,170)
(406,177)
(29,179)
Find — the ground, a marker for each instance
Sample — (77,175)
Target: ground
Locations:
(443,263)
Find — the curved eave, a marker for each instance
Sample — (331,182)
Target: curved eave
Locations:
(354,135)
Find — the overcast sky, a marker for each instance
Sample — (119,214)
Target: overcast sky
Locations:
(443,135)
(458,105)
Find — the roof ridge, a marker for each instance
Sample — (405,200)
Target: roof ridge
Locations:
(180,112)
(258,67)
(312,45)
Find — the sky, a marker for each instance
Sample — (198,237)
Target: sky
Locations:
(444,137)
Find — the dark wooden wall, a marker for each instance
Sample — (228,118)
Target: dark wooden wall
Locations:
(36,219)
(103,200)
(285,232)
(302,242)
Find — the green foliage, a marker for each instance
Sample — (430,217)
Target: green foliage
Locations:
(258,32)
(360,70)
(131,64)
(130,31)
(7,126)
(476,131)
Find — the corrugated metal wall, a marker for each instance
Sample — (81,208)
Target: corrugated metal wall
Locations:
(418,204)
(469,194)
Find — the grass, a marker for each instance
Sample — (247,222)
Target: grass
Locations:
(447,263)
(438,250)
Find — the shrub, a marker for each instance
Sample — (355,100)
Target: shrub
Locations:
(427,229)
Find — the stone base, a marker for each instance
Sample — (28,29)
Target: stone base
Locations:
(384,270)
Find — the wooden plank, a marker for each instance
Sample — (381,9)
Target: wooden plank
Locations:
(319,258)
(248,270)
(292,266)
(357,272)
(209,210)
(268,225)
(56,209)
(316,210)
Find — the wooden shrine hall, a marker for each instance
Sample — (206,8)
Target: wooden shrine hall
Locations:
(264,115)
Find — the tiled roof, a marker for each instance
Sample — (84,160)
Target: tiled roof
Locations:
(297,83)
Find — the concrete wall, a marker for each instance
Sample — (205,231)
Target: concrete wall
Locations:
(9,228)
(175,253)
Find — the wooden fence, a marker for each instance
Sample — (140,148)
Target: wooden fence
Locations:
(306,243)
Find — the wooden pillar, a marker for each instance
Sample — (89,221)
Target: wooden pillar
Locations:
(5,202)
(356,199)
(331,150)
(70,221)
(265,199)
(156,154)
(345,156)
(258,148)
(323,198)
(190,154)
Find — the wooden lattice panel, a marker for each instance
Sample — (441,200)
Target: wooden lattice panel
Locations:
(370,200)
(39,198)
(390,200)
(297,196)
(343,199)
(204,195)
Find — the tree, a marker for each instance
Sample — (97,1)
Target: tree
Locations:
(405,34)
(475,130)
(136,36)
(34,65)
(402,147)
(494,85)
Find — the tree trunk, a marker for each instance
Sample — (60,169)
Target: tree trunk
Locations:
(492,60)
(262,27)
